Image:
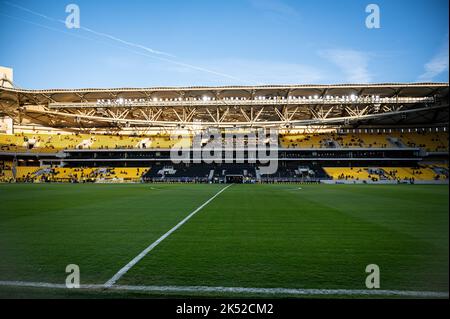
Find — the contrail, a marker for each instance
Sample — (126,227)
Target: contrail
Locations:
(140,46)
(123,48)
(156,54)
(50,28)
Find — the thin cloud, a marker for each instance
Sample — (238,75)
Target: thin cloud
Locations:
(274,6)
(105,35)
(354,64)
(262,72)
(437,65)
(257,72)
(151,53)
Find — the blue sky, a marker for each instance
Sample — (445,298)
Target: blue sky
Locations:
(143,43)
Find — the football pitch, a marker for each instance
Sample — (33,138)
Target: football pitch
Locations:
(264,240)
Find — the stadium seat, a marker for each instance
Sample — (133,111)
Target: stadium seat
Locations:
(48,143)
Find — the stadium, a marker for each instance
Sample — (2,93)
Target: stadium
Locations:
(259,151)
(300,229)
(383,133)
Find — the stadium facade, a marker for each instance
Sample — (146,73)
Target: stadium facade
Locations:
(346,133)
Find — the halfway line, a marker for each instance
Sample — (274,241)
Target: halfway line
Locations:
(136,259)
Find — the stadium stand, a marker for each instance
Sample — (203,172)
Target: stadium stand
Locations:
(357,173)
(418,173)
(25,142)
(386,173)
(305,140)
(431,142)
(323,135)
(378,140)
(68,174)
(330,140)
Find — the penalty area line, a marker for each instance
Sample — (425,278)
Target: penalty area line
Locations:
(136,259)
(237,290)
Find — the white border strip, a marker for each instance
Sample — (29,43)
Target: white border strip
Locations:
(238,290)
(283,291)
(136,259)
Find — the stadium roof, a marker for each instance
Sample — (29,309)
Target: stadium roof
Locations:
(382,89)
(231,106)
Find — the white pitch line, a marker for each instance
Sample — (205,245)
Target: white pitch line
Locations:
(239,290)
(284,291)
(136,259)
(44,285)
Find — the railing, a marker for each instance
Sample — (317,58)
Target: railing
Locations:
(244,102)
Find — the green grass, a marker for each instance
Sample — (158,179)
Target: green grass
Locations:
(43,228)
(319,236)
